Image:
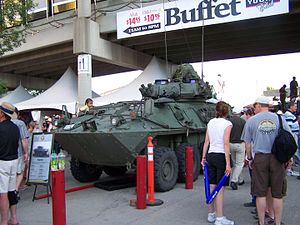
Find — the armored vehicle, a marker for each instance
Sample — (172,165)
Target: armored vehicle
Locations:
(108,138)
(40,151)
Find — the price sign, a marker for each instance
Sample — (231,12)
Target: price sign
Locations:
(183,14)
(140,21)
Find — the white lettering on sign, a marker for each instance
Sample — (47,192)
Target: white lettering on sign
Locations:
(182,14)
(84,63)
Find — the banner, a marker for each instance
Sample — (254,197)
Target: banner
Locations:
(184,14)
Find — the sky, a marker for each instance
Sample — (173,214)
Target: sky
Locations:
(244,79)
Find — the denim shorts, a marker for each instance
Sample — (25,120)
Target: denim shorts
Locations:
(267,172)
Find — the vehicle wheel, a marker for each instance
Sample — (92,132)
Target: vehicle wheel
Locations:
(115,171)
(180,153)
(84,172)
(200,156)
(165,169)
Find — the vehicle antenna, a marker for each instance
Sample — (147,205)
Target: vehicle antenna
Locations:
(165,40)
(202,47)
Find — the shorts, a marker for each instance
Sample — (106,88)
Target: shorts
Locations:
(267,172)
(216,167)
(8,174)
(20,165)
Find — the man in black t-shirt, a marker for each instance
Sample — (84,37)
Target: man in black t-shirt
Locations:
(9,143)
(237,150)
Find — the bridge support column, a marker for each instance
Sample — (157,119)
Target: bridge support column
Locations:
(84,78)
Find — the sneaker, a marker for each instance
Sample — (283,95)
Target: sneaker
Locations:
(241,183)
(254,211)
(291,172)
(211,217)
(223,221)
(249,204)
(269,221)
(233,185)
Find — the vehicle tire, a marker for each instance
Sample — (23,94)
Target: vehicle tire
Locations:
(200,156)
(84,172)
(180,153)
(115,171)
(165,169)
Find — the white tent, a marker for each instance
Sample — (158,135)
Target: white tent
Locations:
(156,69)
(63,92)
(17,95)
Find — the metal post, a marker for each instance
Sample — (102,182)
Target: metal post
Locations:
(188,167)
(58,197)
(141,182)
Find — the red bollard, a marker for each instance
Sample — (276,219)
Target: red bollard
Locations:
(188,167)
(58,197)
(141,182)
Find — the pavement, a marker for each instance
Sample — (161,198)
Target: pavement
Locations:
(94,206)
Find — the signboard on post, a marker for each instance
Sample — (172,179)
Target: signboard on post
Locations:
(182,14)
(84,64)
(40,157)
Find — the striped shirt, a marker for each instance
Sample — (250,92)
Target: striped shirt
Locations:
(292,121)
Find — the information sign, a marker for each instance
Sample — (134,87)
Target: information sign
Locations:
(40,157)
(85,63)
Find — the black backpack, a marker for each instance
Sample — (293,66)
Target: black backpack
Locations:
(284,146)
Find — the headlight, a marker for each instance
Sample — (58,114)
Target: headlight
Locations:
(114,121)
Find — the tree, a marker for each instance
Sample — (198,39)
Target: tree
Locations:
(14,17)
(3,88)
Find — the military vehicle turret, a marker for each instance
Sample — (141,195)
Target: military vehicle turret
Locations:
(108,138)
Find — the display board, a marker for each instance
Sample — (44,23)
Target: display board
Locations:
(40,157)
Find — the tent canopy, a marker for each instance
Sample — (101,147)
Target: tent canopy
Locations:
(17,95)
(63,92)
(155,70)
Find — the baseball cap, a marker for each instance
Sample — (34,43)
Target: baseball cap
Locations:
(263,100)
(8,109)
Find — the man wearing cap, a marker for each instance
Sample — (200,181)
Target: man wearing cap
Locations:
(268,172)
(9,134)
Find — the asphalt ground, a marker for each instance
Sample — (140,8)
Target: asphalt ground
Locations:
(94,206)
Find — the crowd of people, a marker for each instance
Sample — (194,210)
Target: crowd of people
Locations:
(231,142)
(235,141)
(16,136)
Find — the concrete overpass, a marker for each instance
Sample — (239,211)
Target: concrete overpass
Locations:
(54,43)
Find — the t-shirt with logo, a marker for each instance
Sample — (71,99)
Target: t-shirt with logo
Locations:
(262,130)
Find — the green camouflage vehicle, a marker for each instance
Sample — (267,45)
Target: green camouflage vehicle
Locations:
(109,138)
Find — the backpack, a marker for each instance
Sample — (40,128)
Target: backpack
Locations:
(284,146)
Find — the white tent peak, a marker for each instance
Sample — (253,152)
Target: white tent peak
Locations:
(18,95)
(63,92)
(156,69)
